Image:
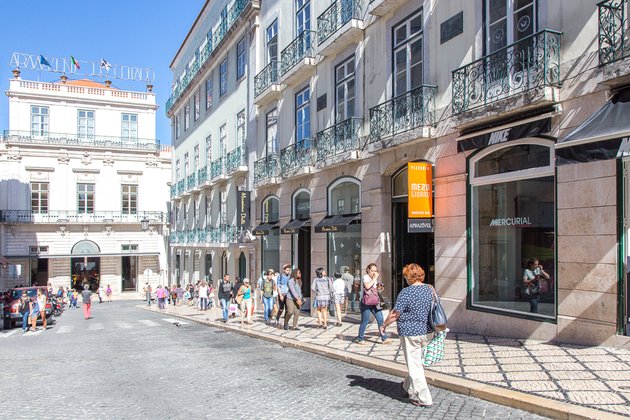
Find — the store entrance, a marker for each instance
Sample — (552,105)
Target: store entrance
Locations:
(303,260)
(39,271)
(129,273)
(409,248)
(86,270)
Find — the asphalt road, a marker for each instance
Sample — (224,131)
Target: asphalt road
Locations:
(130,363)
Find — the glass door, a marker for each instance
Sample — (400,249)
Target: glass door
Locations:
(129,273)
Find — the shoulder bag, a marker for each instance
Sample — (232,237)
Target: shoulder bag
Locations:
(437,315)
(370,296)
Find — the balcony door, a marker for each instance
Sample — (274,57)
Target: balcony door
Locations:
(508,21)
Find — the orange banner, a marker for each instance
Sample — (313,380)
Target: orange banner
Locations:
(420,189)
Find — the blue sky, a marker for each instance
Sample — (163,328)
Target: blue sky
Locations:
(141,33)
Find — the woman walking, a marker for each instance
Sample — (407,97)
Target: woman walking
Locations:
(108,293)
(412,313)
(339,286)
(41,303)
(370,304)
(294,299)
(244,297)
(322,289)
(203,295)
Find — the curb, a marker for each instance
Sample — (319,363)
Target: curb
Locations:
(515,399)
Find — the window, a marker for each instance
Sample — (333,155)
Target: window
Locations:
(344,90)
(344,245)
(240,129)
(512,222)
(223,141)
(39,197)
(271,242)
(186,116)
(39,120)
(208,211)
(302,115)
(196,158)
(196,106)
(186,171)
(208,150)
(223,78)
(508,21)
(193,203)
(177,126)
(240,59)
(272,42)
(177,166)
(129,248)
(302,16)
(209,92)
(272,132)
(129,199)
(129,125)
(408,55)
(85,198)
(36,250)
(86,124)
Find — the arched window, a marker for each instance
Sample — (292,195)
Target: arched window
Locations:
(512,220)
(302,205)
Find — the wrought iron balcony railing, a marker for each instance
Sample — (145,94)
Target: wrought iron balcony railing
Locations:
(531,63)
(266,168)
(295,156)
(302,47)
(410,110)
(266,77)
(614,44)
(338,14)
(173,237)
(235,159)
(342,137)
(191,181)
(173,191)
(181,186)
(202,175)
(73,216)
(181,237)
(74,139)
(216,168)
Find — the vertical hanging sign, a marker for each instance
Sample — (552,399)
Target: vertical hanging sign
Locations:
(420,190)
(242,207)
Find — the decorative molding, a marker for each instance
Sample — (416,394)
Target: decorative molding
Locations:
(449,179)
(151,162)
(108,160)
(86,171)
(14,154)
(63,158)
(128,172)
(39,169)
(86,159)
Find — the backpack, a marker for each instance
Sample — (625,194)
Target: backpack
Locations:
(268,288)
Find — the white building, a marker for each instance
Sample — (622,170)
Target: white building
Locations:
(83,186)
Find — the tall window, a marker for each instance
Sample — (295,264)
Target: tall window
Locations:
(344,245)
(39,197)
(344,90)
(129,125)
(129,199)
(302,115)
(272,42)
(241,59)
(178,125)
(223,140)
(302,16)
(86,124)
(240,129)
(209,92)
(85,198)
(196,158)
(186,168)
(508,21)
(223,207)
(196,106)
(186,116)
(408,54)
(208,211)
(208,150)
(272,132)
(177,166)
(512,211)
(271,241)
(39,120)
(223,77)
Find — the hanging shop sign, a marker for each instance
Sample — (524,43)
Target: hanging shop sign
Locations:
(517,132)
(419,225)
(242,208)
(420,190)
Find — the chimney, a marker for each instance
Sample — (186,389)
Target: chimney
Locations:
(149,88)
(108,83)
(16,73)
(63,78)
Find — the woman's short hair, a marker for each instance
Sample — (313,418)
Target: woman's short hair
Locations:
(319,272)
(370,265)
(413,273)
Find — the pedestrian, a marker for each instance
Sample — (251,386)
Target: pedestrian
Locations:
(203,295)
(294,299)
(244,299)
(348,279)
(322,288)
(167,294)
(180,294)
(41,303)
(370,304)
(50,289)
(147,293)
(100,294)
(282,285)
(411,312)
(86,294)
(24,309)
(210,295)
(339,287)
(33,313)
(108,293)
(225,294)
(237,287)
(268,286)
(533,278)
(160,295)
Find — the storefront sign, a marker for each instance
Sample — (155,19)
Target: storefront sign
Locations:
(511,221)
(419,225)
(242,208)
(530,129)
(420,190)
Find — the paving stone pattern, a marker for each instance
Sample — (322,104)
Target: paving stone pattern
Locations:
(129,363)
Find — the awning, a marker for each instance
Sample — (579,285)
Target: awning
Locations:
(337,223)
(265,228)
(528,128)
(604,135)
(295,225)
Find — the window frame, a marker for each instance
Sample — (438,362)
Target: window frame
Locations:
(510,12)
(344,83)
(196,106)
(43,120)
(223,77)
(406,46)
(241,58)
(90,129)
(209,85)
(87,204)
(129,199)
(40,197)
(303,110)
(241,133)
(273,142)
(130,123)
(186,116)
(272,40)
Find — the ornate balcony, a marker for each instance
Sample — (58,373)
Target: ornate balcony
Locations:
(73,139)
(339,140)
(173,191)
(191,181)
(217,171)
(181,186)
(202,175)
(202,235)
(236,161)
(404,113)
(222,234)
(531,65)
(614,45)
(339,25)
(382,7)
(191,235)
(266,85)
(181,237)
(297,158)
(267,170)
(298,58)
(173,237)
(73,216)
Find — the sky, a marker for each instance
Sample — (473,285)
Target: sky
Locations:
(137,33)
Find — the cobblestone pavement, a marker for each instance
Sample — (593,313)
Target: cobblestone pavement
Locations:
(594,377)
(129,363)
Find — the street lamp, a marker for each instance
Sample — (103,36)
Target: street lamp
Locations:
(144,223)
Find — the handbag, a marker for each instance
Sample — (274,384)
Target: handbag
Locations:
(331,307)
(434,351)
(437,315)
(370,297)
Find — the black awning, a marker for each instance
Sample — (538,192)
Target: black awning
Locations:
(337,223)
(295,225)
(529,129)
(265,228)
(601,136)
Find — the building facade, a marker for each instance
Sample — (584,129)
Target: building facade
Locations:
(84,186)
(471,137)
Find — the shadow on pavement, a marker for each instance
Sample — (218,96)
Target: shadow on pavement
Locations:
(384,387)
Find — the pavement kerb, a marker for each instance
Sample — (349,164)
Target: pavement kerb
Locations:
(515,399)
